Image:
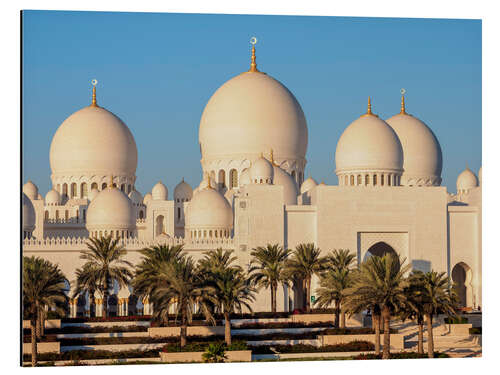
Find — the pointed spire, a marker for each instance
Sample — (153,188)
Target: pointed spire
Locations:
(94,98)
(253,63)
(403,109)
(369,108)
(272,158)
(110,182)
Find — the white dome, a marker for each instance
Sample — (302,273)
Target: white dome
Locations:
(423,160)
(111,210)
(159,192)
(52,198)
(261,171)
(29,215)
(31,190)
(93,141)
(245,177)
(147,198)
(93,193)
(39,197)
(209,209)
(290,191)
(249,114)
(308,185)
(368,144)
(466,181)
(183,192)
(135,197)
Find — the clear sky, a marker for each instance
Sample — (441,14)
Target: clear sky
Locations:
(156,71)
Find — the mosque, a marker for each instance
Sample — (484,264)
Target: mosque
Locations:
(389,197)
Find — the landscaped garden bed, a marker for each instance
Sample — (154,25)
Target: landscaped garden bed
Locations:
(401,355)
(93,354)
(355,346)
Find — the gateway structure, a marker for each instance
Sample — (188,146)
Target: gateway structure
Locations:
(253,142)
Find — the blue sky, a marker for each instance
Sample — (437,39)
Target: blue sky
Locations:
(156,71)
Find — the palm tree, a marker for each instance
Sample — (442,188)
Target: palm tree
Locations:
(381,281)
(334,282)
(230,291)
(215,353)
(147,273)
(414,306)
(214,260)
(267,269)
(105,261)
(86,282)
(304,263)
(179,287)
(438,298)
(43,285)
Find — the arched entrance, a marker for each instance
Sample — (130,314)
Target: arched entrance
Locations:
(462,277)
(380,249)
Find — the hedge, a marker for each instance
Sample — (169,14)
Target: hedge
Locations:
(202,346)
(355,346)
(401,355)
(456,320)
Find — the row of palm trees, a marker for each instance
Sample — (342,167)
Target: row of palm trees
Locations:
(173,281)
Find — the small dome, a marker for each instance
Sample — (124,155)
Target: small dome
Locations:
(53,198)
(261,171)
(29,215)
(183,192)
(209,209)
(480,174)
(245,177)
(466,181)
(93,193)
(369,144)
(135,197)
(111,210)
(147,198)
(31,190)
(308,185)
(39,197)
(159,192)
(290,191)
(423,160)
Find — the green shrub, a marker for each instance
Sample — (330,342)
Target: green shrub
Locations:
(401,355)
(355,346)
(202,346)
(354,331)
(476,331)
(215,353)
(456,320)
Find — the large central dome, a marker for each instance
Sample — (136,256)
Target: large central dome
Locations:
(250,114)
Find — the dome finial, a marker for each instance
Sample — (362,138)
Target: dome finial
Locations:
(272,158)
(253,64)
(403,109)
(369,109)
(111,182)
(94,99)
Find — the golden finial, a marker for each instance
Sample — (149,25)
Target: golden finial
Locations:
(253,64)
(271,153)
(209,183)
(403,109)
(111,182)
(369,109)
(94,99)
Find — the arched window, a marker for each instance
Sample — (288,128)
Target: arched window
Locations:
(233,177)
(46,215)
(66,215)
(346,180)
(111,234)
(178,213)
(122,188)
(382,180)
(65,189)
(210,234)
(141,214)
(73,190)
(77,215)
(204,234)
(294,175)
(367,180)
(57,215)
(216,233)
(352,180)
(83,190)
(129,188)
(84,212)
(359,180)
(374,180)
(389,180)
(94,186)
(160,225)
(222,178)
(104,185)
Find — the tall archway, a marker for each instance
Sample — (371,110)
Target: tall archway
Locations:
(380,249)
(461,275)
(160,225)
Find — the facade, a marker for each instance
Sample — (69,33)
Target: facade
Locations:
(253,143)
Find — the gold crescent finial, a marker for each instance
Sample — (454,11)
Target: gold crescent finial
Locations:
(403,109)
(94,98)
(111,182)
(253,64)
(369,109)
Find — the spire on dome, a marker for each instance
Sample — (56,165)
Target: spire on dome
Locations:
(111,182)
(369,109)
(403,109)
(253,64)
(272,158)
(94,99)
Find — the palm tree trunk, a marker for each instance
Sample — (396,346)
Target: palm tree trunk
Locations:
(376,324)
(386,315)
(337,314)
(34,354)
(342,318)
(273,298)
(105,299)
(183,329)
(227,328)
(308,294)
(430,336)
(39,324)
(420,336)
(91,303)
